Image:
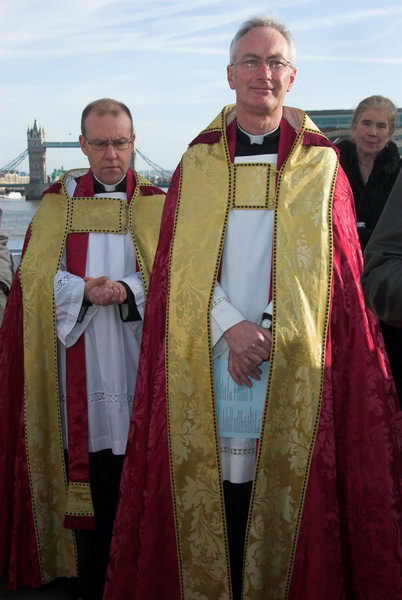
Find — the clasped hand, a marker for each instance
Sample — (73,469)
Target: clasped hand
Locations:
(102,291)
(249,345)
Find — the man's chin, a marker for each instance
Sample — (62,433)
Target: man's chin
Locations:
(110,178)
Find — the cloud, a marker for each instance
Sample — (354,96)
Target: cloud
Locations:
(370,39)
(167,60)
(358,59)
(36,30)
(339,20)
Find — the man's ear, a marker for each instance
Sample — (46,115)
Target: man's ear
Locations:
(83,145)
(292,78)
(230,77)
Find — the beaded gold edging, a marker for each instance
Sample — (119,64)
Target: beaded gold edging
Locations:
(269,200)
(75,490)
(40,539)
(55,349)
(307,129)
(168,411)
(140,181)
(273,348)
(323,359)
(293,540)
(182,516)
(211,366)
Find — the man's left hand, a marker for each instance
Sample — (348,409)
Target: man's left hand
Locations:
(249,345)
(104,292)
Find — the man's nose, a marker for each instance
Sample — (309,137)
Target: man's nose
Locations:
(110,151)
(264,70)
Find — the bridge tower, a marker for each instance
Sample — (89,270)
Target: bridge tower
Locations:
(37,163)
(37,154)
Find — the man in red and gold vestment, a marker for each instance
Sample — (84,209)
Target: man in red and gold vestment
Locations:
(68,360)
(262,461)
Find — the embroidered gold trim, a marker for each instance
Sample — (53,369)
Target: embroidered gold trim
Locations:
(57,216)
(253,185)
(79,500)
(301,279)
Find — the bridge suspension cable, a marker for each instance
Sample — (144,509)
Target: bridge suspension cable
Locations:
(11,166)
(153,165)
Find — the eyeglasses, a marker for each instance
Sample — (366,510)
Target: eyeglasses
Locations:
(101,145)
(253,64)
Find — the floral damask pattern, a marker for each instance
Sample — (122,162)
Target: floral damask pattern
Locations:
(331,539)
(40,484)
(302,279)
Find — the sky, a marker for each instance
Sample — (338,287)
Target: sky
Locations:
(167,61)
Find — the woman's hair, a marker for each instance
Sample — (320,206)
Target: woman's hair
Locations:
(376,102)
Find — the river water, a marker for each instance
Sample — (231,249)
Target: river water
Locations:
(17,214)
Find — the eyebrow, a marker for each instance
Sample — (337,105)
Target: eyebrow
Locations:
(120,139)
(376,122)
(252,55)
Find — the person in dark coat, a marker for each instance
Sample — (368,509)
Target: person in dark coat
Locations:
(371,162)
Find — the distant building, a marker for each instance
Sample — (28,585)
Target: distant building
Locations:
(13,177)
(57,173)
(336,124)
(157,177)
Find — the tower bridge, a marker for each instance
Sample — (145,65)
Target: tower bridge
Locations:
(36,152)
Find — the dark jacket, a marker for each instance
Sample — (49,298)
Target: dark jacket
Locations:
(370,201)
(381,279)
(370,198)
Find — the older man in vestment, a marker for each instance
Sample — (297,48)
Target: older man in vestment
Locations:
(69,354)
(262,461)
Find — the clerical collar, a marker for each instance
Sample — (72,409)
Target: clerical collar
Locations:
(100,187)
(249,144)
(257,139)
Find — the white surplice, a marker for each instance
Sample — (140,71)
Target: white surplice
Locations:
(111,346)
(242,294)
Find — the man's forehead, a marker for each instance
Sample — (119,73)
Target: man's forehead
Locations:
(99,123)
(263,40)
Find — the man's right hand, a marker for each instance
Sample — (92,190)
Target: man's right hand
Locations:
(249,345)
(102,291)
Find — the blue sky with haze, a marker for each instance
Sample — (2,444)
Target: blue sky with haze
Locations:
(167,61)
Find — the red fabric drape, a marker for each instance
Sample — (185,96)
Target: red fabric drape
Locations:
(349,544)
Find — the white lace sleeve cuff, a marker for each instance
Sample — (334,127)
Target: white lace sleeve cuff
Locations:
(69,293)
(223,315)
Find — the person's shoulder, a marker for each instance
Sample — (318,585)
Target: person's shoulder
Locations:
(296,121)
(347,153)
(212,134)
(147,188)
(206,137)
(345,145)
(152,190)
(390,158)
(55,188)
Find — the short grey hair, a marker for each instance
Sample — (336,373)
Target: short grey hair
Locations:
(263,21)
(377,103)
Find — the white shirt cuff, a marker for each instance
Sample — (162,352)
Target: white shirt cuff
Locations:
(137,287)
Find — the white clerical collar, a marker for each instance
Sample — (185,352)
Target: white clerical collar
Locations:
(257,139)
(109,188)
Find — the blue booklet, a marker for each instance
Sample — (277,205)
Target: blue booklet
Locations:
(239,408)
